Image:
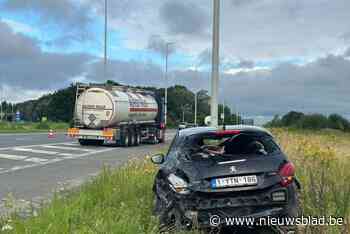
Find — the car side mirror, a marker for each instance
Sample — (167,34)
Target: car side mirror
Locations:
(157,159)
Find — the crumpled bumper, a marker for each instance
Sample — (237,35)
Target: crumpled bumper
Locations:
(200,207)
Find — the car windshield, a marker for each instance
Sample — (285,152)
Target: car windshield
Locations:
(226,145)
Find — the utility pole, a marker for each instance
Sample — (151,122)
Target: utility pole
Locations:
(195,100)
(166,82)
(215,65)
(105,43)
(223,112)
(1,110)
(195,108)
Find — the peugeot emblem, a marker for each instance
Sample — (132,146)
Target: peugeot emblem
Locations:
(233,169)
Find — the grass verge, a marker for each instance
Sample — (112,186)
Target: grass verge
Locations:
(120,201)
(27,127)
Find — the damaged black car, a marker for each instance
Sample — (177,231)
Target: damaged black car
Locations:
(238,171)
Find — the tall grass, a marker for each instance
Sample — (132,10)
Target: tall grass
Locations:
(118,201)
(121,201)
(323,168)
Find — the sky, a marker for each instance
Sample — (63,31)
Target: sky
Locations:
(276,55)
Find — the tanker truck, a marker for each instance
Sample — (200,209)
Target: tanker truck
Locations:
(117,115)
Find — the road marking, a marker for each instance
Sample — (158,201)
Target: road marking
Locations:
(66,148)
(17,168)
(36,160)
(66,154)
(25,146)
(22,158)
(35,151)
(71,143)
(12,157)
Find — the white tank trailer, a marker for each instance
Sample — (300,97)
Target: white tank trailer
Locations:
(117,114)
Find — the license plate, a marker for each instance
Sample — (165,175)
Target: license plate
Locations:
(234,181)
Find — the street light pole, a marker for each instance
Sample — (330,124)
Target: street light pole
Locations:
(195,108)
(105,43)
(215,65)
(166,83)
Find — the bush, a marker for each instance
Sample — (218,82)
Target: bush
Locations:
(300,120)
(43,125)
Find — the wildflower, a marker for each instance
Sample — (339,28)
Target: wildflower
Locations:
(6,227)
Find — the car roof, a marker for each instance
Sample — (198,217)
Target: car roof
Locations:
(242,128)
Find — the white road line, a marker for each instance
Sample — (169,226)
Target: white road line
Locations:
(67,148)
(66,154)
(36,160)
(22,158)
(25,146)
(35,151)
(13,157)
(17,168)
(70,143)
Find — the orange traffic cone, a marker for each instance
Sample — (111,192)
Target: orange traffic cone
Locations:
(51,134)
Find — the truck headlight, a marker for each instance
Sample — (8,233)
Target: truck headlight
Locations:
(178,184)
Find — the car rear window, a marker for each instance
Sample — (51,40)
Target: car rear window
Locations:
(242,144)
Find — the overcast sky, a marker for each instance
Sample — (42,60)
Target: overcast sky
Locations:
(276,55)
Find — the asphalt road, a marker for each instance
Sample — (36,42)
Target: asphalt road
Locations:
(32,166)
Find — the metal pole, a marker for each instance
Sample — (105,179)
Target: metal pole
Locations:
(223,112)
(183,114)
(215,65)
(195,108)
(166,86)
(1,111)
(166,82)
(105,44)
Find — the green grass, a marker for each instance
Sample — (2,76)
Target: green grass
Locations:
(27,127)
(120,200)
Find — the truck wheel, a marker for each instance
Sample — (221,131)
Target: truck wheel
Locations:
(132,138)
(154,140)
(137,138)
(83,142)
(125,139)
(99,142)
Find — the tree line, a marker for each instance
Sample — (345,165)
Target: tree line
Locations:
(300,120)
(59,106)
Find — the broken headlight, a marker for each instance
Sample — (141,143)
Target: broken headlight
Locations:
(178,184)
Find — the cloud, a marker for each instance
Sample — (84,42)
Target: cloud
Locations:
(347,52)
(204,57)
(72,19)
(24,64)
(159,45)
(244,63)
(184,17)
(319,86)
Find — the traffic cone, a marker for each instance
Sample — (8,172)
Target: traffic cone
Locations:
(51,134)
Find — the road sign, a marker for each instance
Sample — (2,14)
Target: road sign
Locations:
(18,116)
